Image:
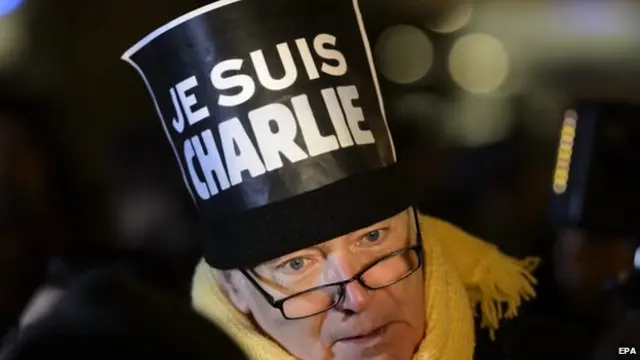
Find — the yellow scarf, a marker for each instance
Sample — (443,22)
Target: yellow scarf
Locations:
(461,272)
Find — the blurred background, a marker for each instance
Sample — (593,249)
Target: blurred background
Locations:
(529,111)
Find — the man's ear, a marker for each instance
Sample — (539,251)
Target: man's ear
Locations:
(232,287)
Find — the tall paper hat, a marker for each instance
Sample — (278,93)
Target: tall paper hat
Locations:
(274,113)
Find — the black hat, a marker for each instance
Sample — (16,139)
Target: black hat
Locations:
(274,112)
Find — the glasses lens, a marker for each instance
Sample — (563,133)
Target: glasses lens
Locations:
(392,269)
(311,303)
(384,273)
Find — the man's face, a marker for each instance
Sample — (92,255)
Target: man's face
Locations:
(349,331)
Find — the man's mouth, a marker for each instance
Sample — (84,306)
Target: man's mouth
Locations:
(365,338)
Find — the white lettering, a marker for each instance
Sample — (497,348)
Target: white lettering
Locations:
(307,59)
(354,114)
(276,126)
(282,140)
(627,351)
(210,162)
(239,153)
(264,75)
(337,117)
(330,54)
(201,188)
(178,121)
(316,143)
(189,101)
(244,82)
(244,86)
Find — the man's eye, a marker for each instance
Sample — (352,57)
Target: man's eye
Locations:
(373,236)
(295,264)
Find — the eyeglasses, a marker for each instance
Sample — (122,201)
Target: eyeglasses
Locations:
(383,272)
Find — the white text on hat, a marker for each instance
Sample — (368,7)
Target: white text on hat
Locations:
(222,167)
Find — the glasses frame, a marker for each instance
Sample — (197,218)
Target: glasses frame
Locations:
(279,304)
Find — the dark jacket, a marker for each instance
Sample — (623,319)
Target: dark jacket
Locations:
(112,314)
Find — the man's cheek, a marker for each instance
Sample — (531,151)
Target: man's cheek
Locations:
(410,291)
(268,318)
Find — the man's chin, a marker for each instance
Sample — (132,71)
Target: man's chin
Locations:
(368,355)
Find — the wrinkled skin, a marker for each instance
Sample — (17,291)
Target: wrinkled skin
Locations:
(400,307)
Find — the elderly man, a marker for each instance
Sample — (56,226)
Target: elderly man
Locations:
(403,288)
(312,247)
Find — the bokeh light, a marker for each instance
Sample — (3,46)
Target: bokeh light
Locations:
(475,121)
(404,54)
(453,20)
(8,6)
(12,37)
(479,63)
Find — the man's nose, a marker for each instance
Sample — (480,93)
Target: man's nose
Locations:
(356,297)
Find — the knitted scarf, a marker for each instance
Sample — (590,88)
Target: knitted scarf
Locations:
(462,274)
